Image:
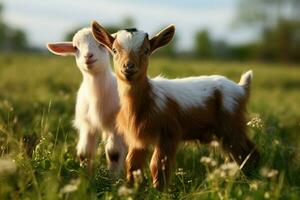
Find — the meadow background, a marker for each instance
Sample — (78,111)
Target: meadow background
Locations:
(37,99)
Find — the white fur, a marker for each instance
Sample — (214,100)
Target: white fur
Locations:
(130,40)
(86,43)
(194,91)
(246,78)
(188,92)
(97,101)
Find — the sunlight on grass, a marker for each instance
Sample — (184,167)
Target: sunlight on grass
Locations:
(37,141)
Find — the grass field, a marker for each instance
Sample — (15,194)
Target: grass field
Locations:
(37,141)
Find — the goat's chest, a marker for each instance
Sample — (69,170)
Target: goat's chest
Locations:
(138,132)
(93,114)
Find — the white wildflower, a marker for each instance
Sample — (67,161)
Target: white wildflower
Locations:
(180,172)
(214,144)
(163,163)
(124,191)
(267,195)
(68,189)
(253,186)
(71,187)
(272,173)
(208,161)
(255,122)
(268,173)
(137,176)
(7,167)
(276,142)
(225,170)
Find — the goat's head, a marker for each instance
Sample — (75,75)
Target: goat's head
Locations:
(131,49)
(90,56)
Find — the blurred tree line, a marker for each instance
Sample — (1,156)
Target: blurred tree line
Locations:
(278,22)
(11,39)
(128,22)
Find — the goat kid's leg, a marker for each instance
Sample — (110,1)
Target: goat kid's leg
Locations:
(244,153)
(115,150)
(161,163)
(240,147)
(135,160)
(86,146)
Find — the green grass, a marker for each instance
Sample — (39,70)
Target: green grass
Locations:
(37,141)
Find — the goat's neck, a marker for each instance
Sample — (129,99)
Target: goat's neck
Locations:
(136,96)
(102,97)
(99,83)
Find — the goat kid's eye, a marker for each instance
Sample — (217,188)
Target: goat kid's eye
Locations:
(114,50)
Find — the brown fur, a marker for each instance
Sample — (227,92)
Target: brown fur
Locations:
(144,124)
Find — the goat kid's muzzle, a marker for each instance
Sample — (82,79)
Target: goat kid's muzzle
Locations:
(128,72)
(90,62)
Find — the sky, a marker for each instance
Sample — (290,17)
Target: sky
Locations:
(49,20)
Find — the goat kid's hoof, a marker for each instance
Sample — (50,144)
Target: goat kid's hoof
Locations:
(83,160)
(113,157)
(86,163)
(160,187)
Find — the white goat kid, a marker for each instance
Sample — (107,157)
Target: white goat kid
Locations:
(97,99)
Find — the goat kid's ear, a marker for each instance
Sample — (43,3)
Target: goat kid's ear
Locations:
(102,36)
(162,38)
(62,48)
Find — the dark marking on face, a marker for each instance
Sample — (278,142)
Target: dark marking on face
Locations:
(114,157)
(131,30)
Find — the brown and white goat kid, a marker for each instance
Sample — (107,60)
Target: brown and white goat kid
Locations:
(163,112)
(97,101)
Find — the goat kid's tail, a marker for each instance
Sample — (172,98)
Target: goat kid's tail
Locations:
(245,81)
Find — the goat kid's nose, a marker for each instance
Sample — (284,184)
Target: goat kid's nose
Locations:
(129,66)
(88,55)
